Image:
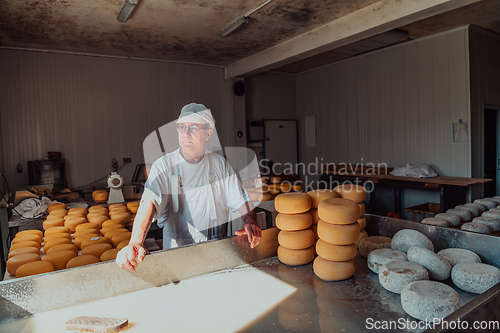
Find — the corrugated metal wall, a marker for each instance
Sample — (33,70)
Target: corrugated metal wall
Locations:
(395,106)
(95,108)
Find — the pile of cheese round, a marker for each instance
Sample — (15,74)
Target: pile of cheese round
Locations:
(269,191)
(71,238)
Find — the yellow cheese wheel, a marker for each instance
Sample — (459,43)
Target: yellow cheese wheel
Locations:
(100,196)
(74,216)
(333,270)
(58,213)
(362,234)
(116,205)
(56,230)
(134,209)
(336,252)
(267,197)
(356,193)
(54,206)
(63,247)
(16,261)
(78,210)
(99,219)
(274,191)
(74,222)
(93,241)
(255,197)
(338,211)
(27,237)
(87,225)
(296,188)
(111,233)
(133,203)
(58,222)
(296,240)
(292,203)
(85,232)
(362,209)
(23,250)
(27,232)
(295,257)
(293,222)
(123,216)
(99,212)
(314,214)
(118,209)
(285,187)
(122,245)
(97,249)
(109,255)
(34,268)
(105,231)
(362,223)
(54,242)
(314,228)
(321,194)
(60,258)
(96,208)
(275,180)
(25,244)
(110,222)
(118,238)
(338,234)
(86,259)
(52,217)
(50,237)
(79,240)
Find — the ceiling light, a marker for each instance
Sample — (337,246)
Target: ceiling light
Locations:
(127,10)
(234,26)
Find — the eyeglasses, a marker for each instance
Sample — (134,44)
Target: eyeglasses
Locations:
(193,129)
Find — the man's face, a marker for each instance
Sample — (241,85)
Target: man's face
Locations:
(193,136)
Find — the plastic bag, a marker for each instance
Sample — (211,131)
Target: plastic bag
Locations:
(416,171)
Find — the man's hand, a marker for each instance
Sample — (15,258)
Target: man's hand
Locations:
(253,232)
(126,258)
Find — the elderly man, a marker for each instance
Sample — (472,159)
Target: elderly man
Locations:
(187,191)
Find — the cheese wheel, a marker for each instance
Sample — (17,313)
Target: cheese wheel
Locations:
(474,211)
(96,208)
(336,252)
(54,242)
(56,230)
(396,275)
(16,261)
(118,238)
(60,258)
(453,220)
(109,255)
(319,195)
(97,214)
(293,222)
(406,238)
(74,222)
(465,215)
(27,237)
(296,240)
(34,268)
(458,256)
(362,235)
(73,216)
(99,219)
(292,203)
(104,231)
(86,259)
(314,214)
(58,213)
(255,197)
(285,187)
(23,250)
(79,240)
(295,257)
(492,223)
(273,191)
(338,211)
(29,232)
(369,244)
(116,205)
(378,257)
(333,270)
(48,238)
(25,244)
(435,222)
(338,234)
(133,204)
(54,206)
(356,193)
(296,188)
(475,277)
(476,227)
(488,203)
(88,225)
(63,247)
(438,267)
(111,233)
(97,249)
(135,208)
(123,216)
(362,222)
(58,222)
(362,209)
(122,245)
(78,210)
(93,241)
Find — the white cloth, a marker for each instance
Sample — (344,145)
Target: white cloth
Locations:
(33,208)
(417,171)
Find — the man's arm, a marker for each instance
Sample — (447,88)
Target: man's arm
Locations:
(250,226)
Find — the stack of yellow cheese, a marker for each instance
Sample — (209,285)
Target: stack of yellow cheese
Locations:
(25,249)
(278,186)
(259,194)
(356,193)
(296,237)
(316,197)
(338,231)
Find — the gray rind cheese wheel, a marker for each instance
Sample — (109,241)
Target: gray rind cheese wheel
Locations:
(481,208)
(464,214)
(488,203)
(496,209)
(439,268)
(476,227)
(493,214)
(475,277)
(406,238)
(429,300)
(378,257)
(395,275)
(453,219)
(496,199)
(458,256)
(435,221)
(491,222)
(369,244)
(473,210)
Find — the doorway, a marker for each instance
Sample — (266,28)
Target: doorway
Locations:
(491,150)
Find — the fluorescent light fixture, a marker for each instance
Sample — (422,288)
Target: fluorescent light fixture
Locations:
(127,10)
(234,26)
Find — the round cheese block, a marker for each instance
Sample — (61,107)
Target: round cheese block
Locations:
(395,275)
(27,237)
(87,225)
(122,245)
(57,205)
(315,216)
(491,222)
(458,256)
(125,236)
(369,244)
(50,237)
(78,210)
(85,259)
(464,214)
(321,194)
(296,188)
(111,233)
(97,213)
(488,203)
(137,203)
(60,258)
(295,257)
(476,227)
(119,209)
(73,216)
(362,222)
(333,270)
(57,222)
(475,277)
(54,242)
(72,223)
(295,240)
(452,219)
(338,211)
(435,221)
(98,219)
(63,247)
(58,213)
(473,210)
(492,214)
(356,193)
(429,300)
(104,231)
(285,187)
(362,235)
(265,197)
(56,230)
(336,252)
(16,261)
(406,238)
(93,241)
(481,208)
(109,255)
(23,250)
(292,203)
(86,232)
(274,191)
(96,208)
(496,199)
(24,244)
(378,257)
(79,240)
(338,234)
(116,205)
(439,268)
(123,216)
(110,222)
(33,268)
(293,222)
(97,249)
(362,209)
(28,232)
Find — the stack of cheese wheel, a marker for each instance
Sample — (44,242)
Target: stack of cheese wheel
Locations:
(76,216)
(97,214)
(316,197)
(57,212)
(356,193)
(338,231)
(259,194)
(296,238)
(25,248)
(133,207)
(119,211)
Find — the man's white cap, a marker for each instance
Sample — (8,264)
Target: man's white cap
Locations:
(197,114)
